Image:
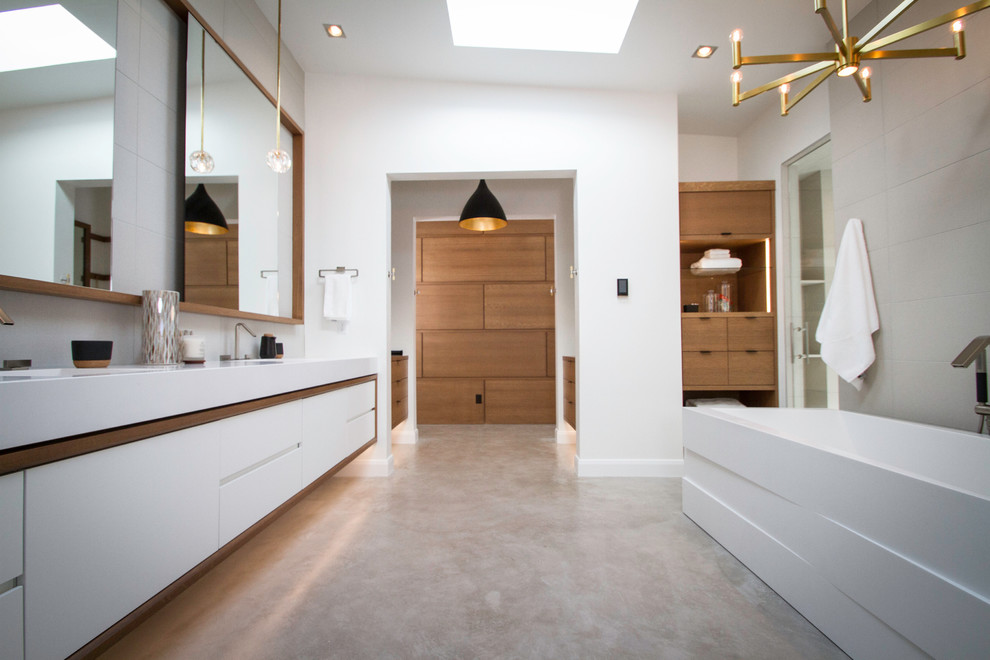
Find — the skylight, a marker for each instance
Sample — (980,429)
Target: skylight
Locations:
(46,36)
(584,26)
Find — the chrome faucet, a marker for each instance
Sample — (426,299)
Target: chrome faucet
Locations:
(976,351)
(4,319)
(237,349)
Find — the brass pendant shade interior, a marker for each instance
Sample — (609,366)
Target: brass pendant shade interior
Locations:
(482,211)
(203,216)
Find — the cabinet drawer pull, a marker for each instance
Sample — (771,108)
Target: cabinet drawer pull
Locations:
(751,350)
(705,352)
(726,233)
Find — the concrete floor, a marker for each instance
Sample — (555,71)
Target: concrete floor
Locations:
(483,544)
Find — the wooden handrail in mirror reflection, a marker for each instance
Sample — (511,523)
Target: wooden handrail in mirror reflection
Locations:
(14,282)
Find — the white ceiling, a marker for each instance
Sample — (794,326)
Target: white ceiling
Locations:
(411,39)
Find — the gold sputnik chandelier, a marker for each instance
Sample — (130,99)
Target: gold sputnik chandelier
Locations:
(849,52)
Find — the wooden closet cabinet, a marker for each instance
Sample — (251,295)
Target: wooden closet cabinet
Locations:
(729,354)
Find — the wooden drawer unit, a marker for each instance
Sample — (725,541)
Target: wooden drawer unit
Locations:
(400,389)
(750,333)
(751,368)
(570,391)
(703,333)
(714,213)
(705,368)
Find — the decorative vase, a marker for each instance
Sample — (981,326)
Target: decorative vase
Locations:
(160,336)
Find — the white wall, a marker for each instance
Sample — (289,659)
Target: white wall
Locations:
(912,165)
(545,197)
(708,158)
(623,148)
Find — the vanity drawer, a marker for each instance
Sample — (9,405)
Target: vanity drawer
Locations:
(251,438)
(12,623)
(11,526)
(703,333)
(751,368)
(705,368)
(250,497)
(750,333)
(359,399)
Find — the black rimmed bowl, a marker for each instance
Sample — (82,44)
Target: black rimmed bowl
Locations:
(89,353)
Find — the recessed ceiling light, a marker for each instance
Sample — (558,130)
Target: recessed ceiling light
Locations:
(704,52)
(46,36)
(334,31)
(587,26)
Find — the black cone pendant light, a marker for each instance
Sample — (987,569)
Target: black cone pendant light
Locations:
(203,216)
(482,211)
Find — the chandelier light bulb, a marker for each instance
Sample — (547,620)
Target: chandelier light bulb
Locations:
(957,26)
(865,73)
(847,70)
(201,162)
(279,160)
(785,88)
(736,76)
(736,35)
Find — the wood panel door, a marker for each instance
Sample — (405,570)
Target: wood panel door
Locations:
(485,324)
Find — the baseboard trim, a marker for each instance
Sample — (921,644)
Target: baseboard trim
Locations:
(369,467)
(405,436)
(628,467)
(566,436)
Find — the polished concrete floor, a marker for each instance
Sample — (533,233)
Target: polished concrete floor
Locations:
(483,544)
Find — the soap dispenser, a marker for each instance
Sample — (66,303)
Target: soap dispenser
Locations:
(267,351)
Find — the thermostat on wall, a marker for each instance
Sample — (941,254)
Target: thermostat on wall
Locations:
(623,287)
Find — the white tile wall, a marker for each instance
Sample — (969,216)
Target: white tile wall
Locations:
(912,165)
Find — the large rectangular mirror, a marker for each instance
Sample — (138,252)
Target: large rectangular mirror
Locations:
(56,141)
(57,137)
(250,266)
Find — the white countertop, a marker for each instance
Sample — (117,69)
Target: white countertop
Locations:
(46,404)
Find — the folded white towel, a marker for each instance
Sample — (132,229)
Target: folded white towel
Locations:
(271,294)
(337,297)
(706,266)
(850,317)
(717,253)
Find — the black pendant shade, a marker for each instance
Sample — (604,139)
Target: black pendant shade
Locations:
(482,211)
(203,216)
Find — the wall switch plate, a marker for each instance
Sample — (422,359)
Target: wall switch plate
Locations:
(623,287)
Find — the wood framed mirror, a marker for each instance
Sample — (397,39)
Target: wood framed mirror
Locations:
(287,254)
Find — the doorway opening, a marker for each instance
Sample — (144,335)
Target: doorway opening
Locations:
(809,266)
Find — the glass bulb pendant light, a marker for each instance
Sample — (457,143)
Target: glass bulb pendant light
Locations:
(279,160)
(200,161)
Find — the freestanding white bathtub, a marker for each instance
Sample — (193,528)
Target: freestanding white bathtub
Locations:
(876,530)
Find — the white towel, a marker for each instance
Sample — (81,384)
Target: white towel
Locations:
(724,266)
(337,297)
(717,253)
(850,317)
(271,294)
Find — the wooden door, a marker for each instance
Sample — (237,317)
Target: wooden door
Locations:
(485,324)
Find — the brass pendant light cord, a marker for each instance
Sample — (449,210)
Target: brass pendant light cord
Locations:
(202,89)
(278,82)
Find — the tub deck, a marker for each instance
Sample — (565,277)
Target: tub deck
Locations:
(876,530)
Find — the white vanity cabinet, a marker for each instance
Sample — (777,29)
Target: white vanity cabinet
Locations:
(106,531)
(88,538)
(261,465)
(11,566)
(335,425)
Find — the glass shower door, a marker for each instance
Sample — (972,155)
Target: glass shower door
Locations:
(810,264)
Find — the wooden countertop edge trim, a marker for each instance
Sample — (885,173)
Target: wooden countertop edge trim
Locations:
(22,458)
(119,630)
